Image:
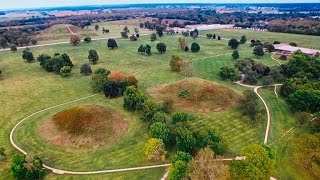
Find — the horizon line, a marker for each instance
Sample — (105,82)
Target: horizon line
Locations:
(152,3)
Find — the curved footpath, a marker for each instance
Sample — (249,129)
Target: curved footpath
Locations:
(256,88)
(61,171)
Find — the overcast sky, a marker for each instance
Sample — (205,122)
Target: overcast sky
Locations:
(13,4)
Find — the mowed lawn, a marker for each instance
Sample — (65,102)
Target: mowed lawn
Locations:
(302,40)
(27,88)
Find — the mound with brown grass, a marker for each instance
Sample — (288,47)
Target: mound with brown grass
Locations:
(84,126)
(197,95)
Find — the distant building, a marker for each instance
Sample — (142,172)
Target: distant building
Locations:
(285,49)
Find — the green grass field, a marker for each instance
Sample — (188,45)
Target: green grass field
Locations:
(27,88)
(302,40)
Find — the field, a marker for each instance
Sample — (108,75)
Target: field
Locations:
(60,32)
(27,88)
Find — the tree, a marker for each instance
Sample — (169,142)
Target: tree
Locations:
(133,38)
(154,150)
(250,105)
(27,168)
(243,39)
(126,29)
(233,43)
(85,69)
(219,38)
(257,164)
(133,99)
(161,47)
(235,55)
(75,39)
(141,49)
(13,48)
(258,51)
(96,27)
(214,36)
(93,56)
(181,156)
(148,49)
(34,41)
(176,63)
(276,42)
(306,153)
(195,47)
(186,49)
(205,166)
(87,39)
(229,73)
(179,117)
(209,36)
(305,101)
(150,108)
(159,130)
(138,35)
(159,30)
(112,44)
(167,105)
(3,42)
(208,137)
(185,139)
(293,44)
(270,48)
(182,43)
(124,35)
(65,71)
(136,30)
(27,55)
(177,170)
(99,78)
(153,37)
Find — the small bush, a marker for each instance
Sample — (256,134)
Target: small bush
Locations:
(87,39)
(195,47)
(85,69)
(184,93)
(65,71)
(179,117)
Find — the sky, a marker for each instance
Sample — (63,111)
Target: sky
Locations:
(17,4)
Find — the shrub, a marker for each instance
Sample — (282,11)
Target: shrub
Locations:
(27,55)
(219,38)
(65,71)
(124,35)
(159,130)
(55,63)
(13,48)
(27,168)
(229,73)
(250,105)
(87,39)
(243,39)
(283,57)
(176,63)
(276,42)
(179,117)
(186,49)
(195,47)
(85,69)
(161,47)
(133,38)
(75,40)
(293,44)
(183,93)
(112,44)
(159,117)
(258,51)
(233,43)
(154,150)
(133,99)
(209,36)
(98,81)
(153,37)
(93,56)
(150,108)
(181,156)
(235,55)
(178,170)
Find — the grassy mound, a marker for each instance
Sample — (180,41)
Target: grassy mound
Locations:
(88,125)
(197,95)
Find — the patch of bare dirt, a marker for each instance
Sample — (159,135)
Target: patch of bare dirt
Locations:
(85,127)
